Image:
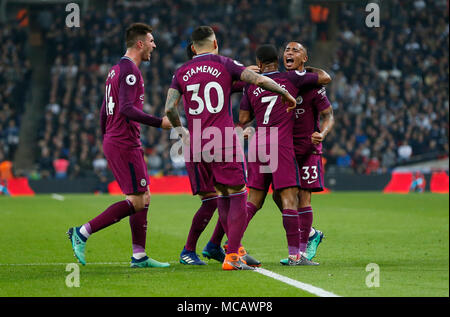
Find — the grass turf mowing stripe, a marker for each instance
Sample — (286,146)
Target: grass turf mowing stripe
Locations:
(303,286)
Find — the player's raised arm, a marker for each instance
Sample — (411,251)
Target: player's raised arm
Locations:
(267,83)
(324,77)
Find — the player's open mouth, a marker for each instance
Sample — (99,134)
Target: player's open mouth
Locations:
(289,61)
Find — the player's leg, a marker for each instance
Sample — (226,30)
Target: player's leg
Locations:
(255,201)
(138,226)
(200,178)
(199,223)
(233,215)
(289,202)
(291,224)
(312,178)
(213,250)
(310,238)
(114,213)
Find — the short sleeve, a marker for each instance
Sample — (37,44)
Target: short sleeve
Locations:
(303,78)
(321,101)
(235,68)
(175,84)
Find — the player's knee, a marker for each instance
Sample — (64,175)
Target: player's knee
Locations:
(304,198)
(289,198)
(138,202)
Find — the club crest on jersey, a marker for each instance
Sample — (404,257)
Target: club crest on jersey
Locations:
(143,182)
(299,100)
(130,79)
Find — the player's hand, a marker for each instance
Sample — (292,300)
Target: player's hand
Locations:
(317,138)
(254,68)
(166,125)
(290,101)
(249,132)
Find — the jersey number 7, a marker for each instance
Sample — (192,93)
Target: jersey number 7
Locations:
(271,100)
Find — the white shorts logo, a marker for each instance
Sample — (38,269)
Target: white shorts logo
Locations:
(130,79)
(143,182)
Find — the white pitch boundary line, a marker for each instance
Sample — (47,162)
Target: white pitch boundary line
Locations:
(303,286)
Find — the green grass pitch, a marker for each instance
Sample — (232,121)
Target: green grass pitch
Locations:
(407,236)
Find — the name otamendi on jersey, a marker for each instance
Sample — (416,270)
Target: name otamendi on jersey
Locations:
(201,69)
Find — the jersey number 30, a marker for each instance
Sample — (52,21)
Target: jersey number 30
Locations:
(206,98)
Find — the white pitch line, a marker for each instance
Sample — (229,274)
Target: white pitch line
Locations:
(58,197)
(306,287)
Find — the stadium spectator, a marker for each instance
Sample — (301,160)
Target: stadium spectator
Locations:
(61,165)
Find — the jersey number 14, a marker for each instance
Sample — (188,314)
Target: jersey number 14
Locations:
(109,101)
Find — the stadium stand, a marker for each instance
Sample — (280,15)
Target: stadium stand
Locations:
(389,88)
(14,80)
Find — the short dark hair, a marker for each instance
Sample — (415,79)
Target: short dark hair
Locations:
(190,54)
(267,53)
(135,31)
(201,33)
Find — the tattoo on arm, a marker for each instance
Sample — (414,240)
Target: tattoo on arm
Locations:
(327,117)
(267,83)
(173,96)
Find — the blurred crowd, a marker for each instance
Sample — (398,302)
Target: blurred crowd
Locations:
(15,74)
(389,88)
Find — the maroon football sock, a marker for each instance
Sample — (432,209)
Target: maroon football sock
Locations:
(218,233)
(237,221)
(291,225)
(251,211)
(223,207)
(111,215)
(200,221)
(138,225)
(305,215)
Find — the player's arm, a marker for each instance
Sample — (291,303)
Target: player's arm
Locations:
(173,97)
(327,122)
(245,117)
(324,77)
(267,83)
(127,93)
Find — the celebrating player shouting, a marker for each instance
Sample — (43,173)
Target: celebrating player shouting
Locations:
(275,128)
(205,83)
(121,114)
(312,107)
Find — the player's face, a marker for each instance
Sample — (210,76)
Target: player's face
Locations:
(148,47)
(294,56)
